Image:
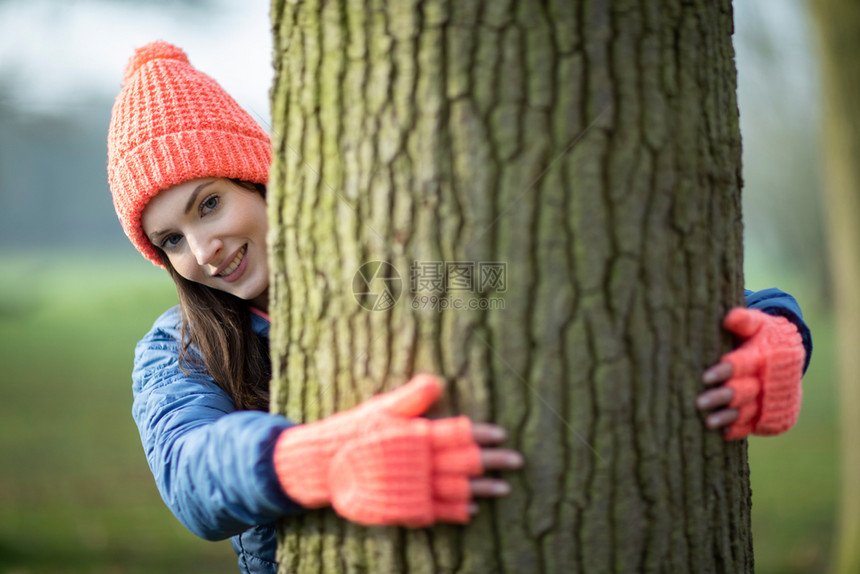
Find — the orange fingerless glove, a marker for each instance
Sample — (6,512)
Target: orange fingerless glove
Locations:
(767,369)
(378,464)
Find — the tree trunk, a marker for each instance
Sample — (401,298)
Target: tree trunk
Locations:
(839,41)
(584,157)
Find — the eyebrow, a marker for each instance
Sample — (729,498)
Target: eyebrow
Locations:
(191,201)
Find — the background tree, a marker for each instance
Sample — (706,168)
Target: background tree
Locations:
(592,147)
(839,43)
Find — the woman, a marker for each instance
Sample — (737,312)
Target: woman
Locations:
(187,170)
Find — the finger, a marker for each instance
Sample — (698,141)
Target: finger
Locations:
(451,432)
(747,413)
(501,459)
(715,398)
(746,390)
(452,488)
(413,398)
(461,460)
(489,488)
(719,373)
(488,434)
(743,322)
(744,361)
(457,512)
(721,418)
(737,432)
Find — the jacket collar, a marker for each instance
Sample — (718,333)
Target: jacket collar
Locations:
(260,322)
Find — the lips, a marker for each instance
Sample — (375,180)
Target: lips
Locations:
(234,264)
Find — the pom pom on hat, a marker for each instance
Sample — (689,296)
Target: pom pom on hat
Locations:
(152,51)
(170,124)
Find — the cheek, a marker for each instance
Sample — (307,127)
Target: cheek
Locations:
(186,267)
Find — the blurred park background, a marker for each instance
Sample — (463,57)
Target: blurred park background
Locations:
(75,492)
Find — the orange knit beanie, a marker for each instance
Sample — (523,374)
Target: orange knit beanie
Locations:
(170,124)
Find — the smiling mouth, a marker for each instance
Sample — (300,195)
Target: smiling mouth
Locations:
(235,263)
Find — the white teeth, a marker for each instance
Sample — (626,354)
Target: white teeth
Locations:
(235,263)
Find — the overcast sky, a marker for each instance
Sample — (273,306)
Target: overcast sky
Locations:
(54,53)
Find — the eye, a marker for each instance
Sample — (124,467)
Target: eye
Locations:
(209,204)
(171,241)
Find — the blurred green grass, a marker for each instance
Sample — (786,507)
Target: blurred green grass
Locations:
(795,479)
(76,494)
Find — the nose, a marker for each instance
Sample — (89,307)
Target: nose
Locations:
(205,248)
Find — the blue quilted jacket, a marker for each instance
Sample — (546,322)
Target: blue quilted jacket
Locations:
(213,464)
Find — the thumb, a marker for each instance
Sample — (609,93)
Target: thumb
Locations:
(413,398)
(743,322)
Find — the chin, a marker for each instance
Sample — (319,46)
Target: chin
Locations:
(252,294)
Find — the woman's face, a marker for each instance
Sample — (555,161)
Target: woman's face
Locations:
(214,233)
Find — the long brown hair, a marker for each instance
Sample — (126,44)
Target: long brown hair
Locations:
(218,326)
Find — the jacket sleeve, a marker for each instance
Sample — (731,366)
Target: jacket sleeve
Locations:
(212,464)
(775,302)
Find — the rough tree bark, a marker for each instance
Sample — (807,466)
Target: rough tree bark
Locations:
(839,42)
(591,146)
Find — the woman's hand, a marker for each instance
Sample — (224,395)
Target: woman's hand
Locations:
(717,399)
(382,463)
(488,436)
(759,381)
